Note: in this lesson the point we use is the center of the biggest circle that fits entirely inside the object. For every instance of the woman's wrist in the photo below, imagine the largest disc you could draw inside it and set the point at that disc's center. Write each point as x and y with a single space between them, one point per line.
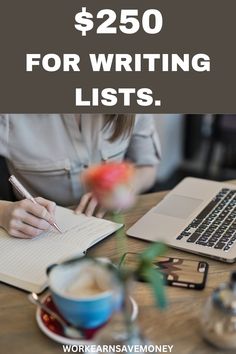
144 178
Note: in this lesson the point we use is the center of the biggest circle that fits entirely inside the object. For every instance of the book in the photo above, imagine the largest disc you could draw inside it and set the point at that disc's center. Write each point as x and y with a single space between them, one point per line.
23 262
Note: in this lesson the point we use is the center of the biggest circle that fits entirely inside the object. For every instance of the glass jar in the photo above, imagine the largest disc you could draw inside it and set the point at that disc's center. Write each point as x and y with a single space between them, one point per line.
219 316
118 334
122 329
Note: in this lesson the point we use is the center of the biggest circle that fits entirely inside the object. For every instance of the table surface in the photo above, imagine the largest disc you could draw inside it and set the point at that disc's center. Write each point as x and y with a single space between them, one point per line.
177 326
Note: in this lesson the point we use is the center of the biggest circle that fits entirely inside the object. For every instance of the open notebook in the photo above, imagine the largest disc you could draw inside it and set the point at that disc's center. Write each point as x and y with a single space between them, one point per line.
23 263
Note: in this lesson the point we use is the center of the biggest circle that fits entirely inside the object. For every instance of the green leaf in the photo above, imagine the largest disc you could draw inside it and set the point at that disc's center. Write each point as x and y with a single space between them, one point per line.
157 283
152 252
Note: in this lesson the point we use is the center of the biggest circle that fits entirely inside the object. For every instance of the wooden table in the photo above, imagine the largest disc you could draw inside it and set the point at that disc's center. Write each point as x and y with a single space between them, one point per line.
177 326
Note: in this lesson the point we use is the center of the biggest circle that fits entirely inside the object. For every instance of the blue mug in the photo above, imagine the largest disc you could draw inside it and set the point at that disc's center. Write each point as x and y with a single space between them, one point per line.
67 283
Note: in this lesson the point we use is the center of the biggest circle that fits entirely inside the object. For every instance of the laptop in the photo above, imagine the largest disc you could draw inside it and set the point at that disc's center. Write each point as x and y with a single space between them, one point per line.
197 216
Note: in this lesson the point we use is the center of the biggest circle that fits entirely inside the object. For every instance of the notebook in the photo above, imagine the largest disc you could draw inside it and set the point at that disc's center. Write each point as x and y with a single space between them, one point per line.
23 262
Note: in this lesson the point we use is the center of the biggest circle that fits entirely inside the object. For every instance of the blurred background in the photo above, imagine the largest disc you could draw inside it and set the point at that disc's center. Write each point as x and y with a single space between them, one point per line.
201 146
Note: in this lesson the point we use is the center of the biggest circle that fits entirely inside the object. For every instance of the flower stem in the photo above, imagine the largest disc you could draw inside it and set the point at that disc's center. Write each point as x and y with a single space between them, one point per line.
120 235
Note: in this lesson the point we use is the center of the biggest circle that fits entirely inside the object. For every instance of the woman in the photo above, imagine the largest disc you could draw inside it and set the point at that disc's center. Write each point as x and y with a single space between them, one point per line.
47 153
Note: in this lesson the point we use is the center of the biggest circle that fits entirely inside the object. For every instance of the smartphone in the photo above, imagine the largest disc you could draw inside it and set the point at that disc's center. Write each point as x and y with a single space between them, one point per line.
184 273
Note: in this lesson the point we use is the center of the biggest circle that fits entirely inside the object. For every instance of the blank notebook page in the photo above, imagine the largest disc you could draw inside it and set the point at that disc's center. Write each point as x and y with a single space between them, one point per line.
27 260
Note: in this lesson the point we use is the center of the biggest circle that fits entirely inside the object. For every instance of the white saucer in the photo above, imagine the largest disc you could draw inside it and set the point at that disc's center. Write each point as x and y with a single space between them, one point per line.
65 340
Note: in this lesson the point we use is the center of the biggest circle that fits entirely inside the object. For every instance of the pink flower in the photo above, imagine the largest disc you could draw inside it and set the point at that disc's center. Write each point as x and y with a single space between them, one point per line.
111 184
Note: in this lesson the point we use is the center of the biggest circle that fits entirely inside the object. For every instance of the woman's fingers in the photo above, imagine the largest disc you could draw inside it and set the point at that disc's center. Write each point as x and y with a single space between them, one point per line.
28 220
48 204
83 203
39 223
17 226
100 213
90 209
35 209
22 215
89 206
19 234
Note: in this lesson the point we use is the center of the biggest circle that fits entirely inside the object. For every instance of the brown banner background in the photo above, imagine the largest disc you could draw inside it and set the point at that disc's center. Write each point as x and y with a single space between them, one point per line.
203 26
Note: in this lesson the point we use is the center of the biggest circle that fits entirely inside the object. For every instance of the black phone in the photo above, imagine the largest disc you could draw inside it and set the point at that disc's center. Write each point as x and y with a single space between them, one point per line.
180 272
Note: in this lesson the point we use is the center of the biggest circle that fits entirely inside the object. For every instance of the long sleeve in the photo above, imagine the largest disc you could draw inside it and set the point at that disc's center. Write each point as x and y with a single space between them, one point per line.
144 147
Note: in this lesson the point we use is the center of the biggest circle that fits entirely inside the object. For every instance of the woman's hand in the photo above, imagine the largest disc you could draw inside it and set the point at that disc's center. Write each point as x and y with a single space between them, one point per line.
89 206
143 180
25 219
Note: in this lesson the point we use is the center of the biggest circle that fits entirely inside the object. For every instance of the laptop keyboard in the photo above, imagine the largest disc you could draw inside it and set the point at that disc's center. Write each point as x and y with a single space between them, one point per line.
215 226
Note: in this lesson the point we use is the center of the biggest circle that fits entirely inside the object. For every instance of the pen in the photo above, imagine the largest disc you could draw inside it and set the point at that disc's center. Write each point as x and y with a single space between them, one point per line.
21 189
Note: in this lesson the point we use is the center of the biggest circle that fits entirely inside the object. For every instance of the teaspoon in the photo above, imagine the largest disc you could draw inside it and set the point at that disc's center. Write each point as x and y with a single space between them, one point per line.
69 331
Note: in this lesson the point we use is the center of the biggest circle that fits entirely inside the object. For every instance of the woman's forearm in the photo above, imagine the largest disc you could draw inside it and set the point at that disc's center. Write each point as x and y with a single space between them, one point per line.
145 177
